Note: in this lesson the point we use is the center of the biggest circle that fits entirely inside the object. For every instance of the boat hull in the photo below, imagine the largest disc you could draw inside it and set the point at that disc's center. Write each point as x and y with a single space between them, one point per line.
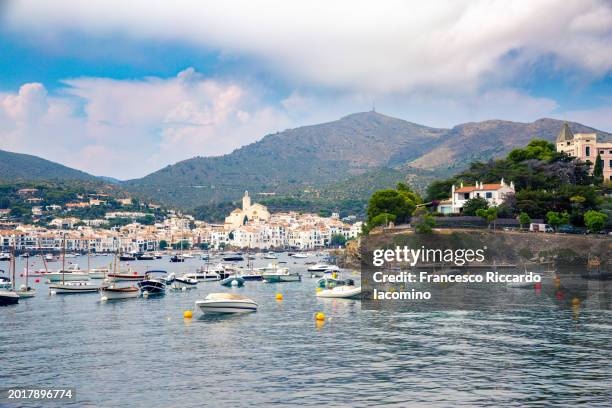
25 294
125 278
68 276
152 287
180 283
274 278
74 288
341 292
8 298
226 306
119 293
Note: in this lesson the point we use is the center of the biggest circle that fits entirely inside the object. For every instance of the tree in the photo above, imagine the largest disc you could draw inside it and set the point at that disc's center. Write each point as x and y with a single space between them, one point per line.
148 219
163 244
524 219
555 219
382 219
390 202
472 205
337 240
425 224
595 220
489 214
598 169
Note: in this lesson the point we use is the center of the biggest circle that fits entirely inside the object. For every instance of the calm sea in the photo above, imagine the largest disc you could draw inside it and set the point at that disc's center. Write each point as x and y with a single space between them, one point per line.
142 353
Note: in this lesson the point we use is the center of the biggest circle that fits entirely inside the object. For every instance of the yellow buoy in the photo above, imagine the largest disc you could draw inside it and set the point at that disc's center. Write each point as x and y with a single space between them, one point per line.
319 316
187 314
279 296
319 289
575 301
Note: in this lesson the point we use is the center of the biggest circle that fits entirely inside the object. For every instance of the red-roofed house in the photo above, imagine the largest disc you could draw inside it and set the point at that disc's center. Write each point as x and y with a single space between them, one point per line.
494 193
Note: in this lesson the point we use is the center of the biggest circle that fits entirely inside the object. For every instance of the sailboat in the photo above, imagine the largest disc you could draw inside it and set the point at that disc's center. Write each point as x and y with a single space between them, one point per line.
9 296
73 285
113 292
25 291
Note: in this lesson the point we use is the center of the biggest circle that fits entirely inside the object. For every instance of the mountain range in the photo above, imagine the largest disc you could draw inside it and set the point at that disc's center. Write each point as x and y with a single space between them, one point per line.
345 159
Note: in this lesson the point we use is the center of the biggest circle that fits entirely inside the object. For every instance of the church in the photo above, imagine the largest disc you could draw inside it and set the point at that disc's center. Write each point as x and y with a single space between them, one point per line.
249 214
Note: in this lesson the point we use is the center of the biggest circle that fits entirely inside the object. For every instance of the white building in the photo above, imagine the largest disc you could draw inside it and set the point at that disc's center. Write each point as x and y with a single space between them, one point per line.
494 194
249 214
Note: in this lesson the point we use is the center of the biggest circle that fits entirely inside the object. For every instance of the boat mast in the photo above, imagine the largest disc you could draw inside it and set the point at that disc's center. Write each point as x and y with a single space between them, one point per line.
63 258
12 265
27 271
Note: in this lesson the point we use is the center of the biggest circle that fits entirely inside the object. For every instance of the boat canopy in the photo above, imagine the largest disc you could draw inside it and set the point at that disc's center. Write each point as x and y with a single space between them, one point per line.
226 296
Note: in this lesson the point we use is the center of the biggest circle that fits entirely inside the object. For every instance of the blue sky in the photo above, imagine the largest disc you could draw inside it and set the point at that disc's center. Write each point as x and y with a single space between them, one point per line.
124 88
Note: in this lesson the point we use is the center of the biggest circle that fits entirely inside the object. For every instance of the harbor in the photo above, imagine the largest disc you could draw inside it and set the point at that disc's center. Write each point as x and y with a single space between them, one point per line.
348 357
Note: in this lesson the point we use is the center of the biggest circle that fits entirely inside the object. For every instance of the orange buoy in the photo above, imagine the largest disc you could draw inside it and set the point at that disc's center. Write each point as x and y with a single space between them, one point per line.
279 296
319 316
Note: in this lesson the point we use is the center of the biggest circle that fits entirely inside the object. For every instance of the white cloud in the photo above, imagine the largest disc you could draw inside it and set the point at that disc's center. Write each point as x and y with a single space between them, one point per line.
357 46
128 128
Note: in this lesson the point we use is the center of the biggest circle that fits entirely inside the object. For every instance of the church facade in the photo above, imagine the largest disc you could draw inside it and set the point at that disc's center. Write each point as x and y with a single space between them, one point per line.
249 214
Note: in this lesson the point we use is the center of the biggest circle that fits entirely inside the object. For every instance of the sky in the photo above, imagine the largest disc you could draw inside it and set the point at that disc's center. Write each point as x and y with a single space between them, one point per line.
123 88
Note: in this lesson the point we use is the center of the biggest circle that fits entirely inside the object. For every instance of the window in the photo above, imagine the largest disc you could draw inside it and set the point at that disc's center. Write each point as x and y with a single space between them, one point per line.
478 195
489 195
610 164
587 151
601 152
466 196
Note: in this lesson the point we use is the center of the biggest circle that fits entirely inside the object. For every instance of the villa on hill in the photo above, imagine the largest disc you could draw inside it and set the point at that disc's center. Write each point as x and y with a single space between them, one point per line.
584 146
494 193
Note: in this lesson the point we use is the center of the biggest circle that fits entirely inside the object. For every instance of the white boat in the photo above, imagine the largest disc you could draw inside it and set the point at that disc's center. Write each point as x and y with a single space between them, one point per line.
209 274
97 273
330 270
70 255
126 276
277 274
5 256
226 303
74 273
25 292
181 282
320 267
300 255
114 292
188 255
270 255
49 257
335 288
74 287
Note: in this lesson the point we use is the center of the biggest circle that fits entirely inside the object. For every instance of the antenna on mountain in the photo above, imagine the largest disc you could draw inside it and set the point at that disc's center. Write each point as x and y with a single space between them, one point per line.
373 105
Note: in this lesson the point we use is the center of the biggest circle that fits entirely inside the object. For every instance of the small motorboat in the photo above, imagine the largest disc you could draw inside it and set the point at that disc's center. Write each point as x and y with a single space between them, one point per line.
177 258
335 288
97 273
146 256
276 275
8 297
233 257
5 256
151 285
74 273
320 267
73 287
300 255
226 303
114 292
127 257
181 282
270 255
233 281
252 275
49 257
187 255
